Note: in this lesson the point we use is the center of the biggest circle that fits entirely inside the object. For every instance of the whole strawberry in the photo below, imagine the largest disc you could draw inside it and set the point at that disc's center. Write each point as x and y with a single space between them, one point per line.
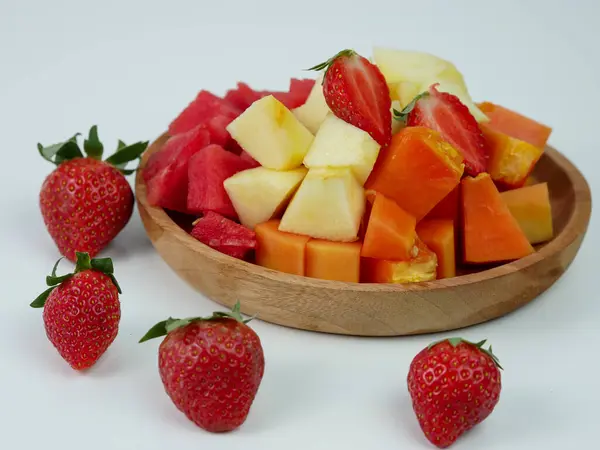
86 202
454 385
211 367
356 92
81 310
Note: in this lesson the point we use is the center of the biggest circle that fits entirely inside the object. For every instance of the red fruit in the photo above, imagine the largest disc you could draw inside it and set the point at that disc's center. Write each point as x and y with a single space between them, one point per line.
86 202
252 163
356 92
454 385
166 171
242 96
446 114
81 310
211 367
224 235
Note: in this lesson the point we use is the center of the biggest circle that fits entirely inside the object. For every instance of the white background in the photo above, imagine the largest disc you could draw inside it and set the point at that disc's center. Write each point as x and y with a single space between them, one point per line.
130 66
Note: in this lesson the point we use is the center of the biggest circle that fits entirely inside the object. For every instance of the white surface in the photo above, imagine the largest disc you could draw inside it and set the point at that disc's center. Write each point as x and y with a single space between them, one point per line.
130 67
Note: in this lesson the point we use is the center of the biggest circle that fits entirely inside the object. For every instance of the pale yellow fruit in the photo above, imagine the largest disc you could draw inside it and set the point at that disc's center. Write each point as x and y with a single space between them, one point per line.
313 112
260 194
329 204
271 134
339 144
405 65
406 92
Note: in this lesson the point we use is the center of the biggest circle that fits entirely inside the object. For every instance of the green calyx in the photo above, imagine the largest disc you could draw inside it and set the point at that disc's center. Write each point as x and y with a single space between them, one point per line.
402 116
327 64
166 326
83 263
455 341
93 148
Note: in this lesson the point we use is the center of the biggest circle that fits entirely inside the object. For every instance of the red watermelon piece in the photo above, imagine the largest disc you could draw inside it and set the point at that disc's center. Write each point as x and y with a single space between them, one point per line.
224 235
300 89
205 107
242 96
166 171
244 155
207 172
217 127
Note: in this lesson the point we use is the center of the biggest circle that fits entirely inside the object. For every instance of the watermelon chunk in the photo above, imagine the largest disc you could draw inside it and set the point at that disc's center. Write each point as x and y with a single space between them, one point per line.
300 89
207 172
166 171
252 163
242 96
217 127
224 235
205 107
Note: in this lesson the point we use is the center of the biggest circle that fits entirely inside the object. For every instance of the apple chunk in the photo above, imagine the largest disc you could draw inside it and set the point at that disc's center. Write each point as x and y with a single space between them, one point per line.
339 144
271 134
329 204
315 109
260 194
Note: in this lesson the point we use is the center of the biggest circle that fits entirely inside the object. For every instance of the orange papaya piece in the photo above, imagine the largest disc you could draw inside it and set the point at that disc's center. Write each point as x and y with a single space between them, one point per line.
390 232
447 208
278 250
490 232
438 235
511 160
416 170
530 205
336 261
515 125
420 267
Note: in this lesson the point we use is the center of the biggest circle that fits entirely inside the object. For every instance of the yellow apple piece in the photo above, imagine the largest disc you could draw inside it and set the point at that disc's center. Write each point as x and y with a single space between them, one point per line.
329 204
271 134
313 112
260 194
339 144
407 65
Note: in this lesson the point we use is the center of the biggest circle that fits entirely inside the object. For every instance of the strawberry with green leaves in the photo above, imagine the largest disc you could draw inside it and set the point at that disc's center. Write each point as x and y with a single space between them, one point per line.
356 92
211 367
86 201
81 310
454 385
446 114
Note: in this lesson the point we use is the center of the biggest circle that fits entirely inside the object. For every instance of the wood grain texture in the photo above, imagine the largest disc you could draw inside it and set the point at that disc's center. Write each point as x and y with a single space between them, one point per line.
380 309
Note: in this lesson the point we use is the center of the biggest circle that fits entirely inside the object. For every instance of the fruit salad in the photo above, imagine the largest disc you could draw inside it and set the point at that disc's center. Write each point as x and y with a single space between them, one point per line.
380 170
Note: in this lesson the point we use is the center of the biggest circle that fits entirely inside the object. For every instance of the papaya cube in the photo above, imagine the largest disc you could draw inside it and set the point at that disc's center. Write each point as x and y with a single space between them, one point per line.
510 160
416 170
438 235
515 125
490 232
447 208
278 250
530 205
422 266
336 261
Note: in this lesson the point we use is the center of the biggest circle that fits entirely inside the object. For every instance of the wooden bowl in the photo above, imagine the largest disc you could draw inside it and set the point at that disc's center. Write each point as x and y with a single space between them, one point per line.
380 309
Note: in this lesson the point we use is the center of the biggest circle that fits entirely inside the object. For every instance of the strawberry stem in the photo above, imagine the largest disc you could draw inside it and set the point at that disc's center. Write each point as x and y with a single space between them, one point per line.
84 262
455 341
325 65
166 326
402 116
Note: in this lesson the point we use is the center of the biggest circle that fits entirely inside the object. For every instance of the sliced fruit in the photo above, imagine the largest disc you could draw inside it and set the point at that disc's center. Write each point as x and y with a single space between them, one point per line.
249 159
166 171
510 160
396 124
404 65
224 235
390 232
261 194
242 96
516 125
421 267
205 107
438 235
328 204
313 112
404 92
490 233
446 114
458 90
207 171
448 207
417 170
271 134
339 144
336 261
530 205
277 250
356 92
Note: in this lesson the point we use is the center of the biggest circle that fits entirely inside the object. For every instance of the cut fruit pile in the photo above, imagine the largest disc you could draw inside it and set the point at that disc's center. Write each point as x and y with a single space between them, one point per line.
376 172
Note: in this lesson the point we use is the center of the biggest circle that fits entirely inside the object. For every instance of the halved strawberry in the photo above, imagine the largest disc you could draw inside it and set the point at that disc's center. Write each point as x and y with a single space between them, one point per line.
356 92
446 114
